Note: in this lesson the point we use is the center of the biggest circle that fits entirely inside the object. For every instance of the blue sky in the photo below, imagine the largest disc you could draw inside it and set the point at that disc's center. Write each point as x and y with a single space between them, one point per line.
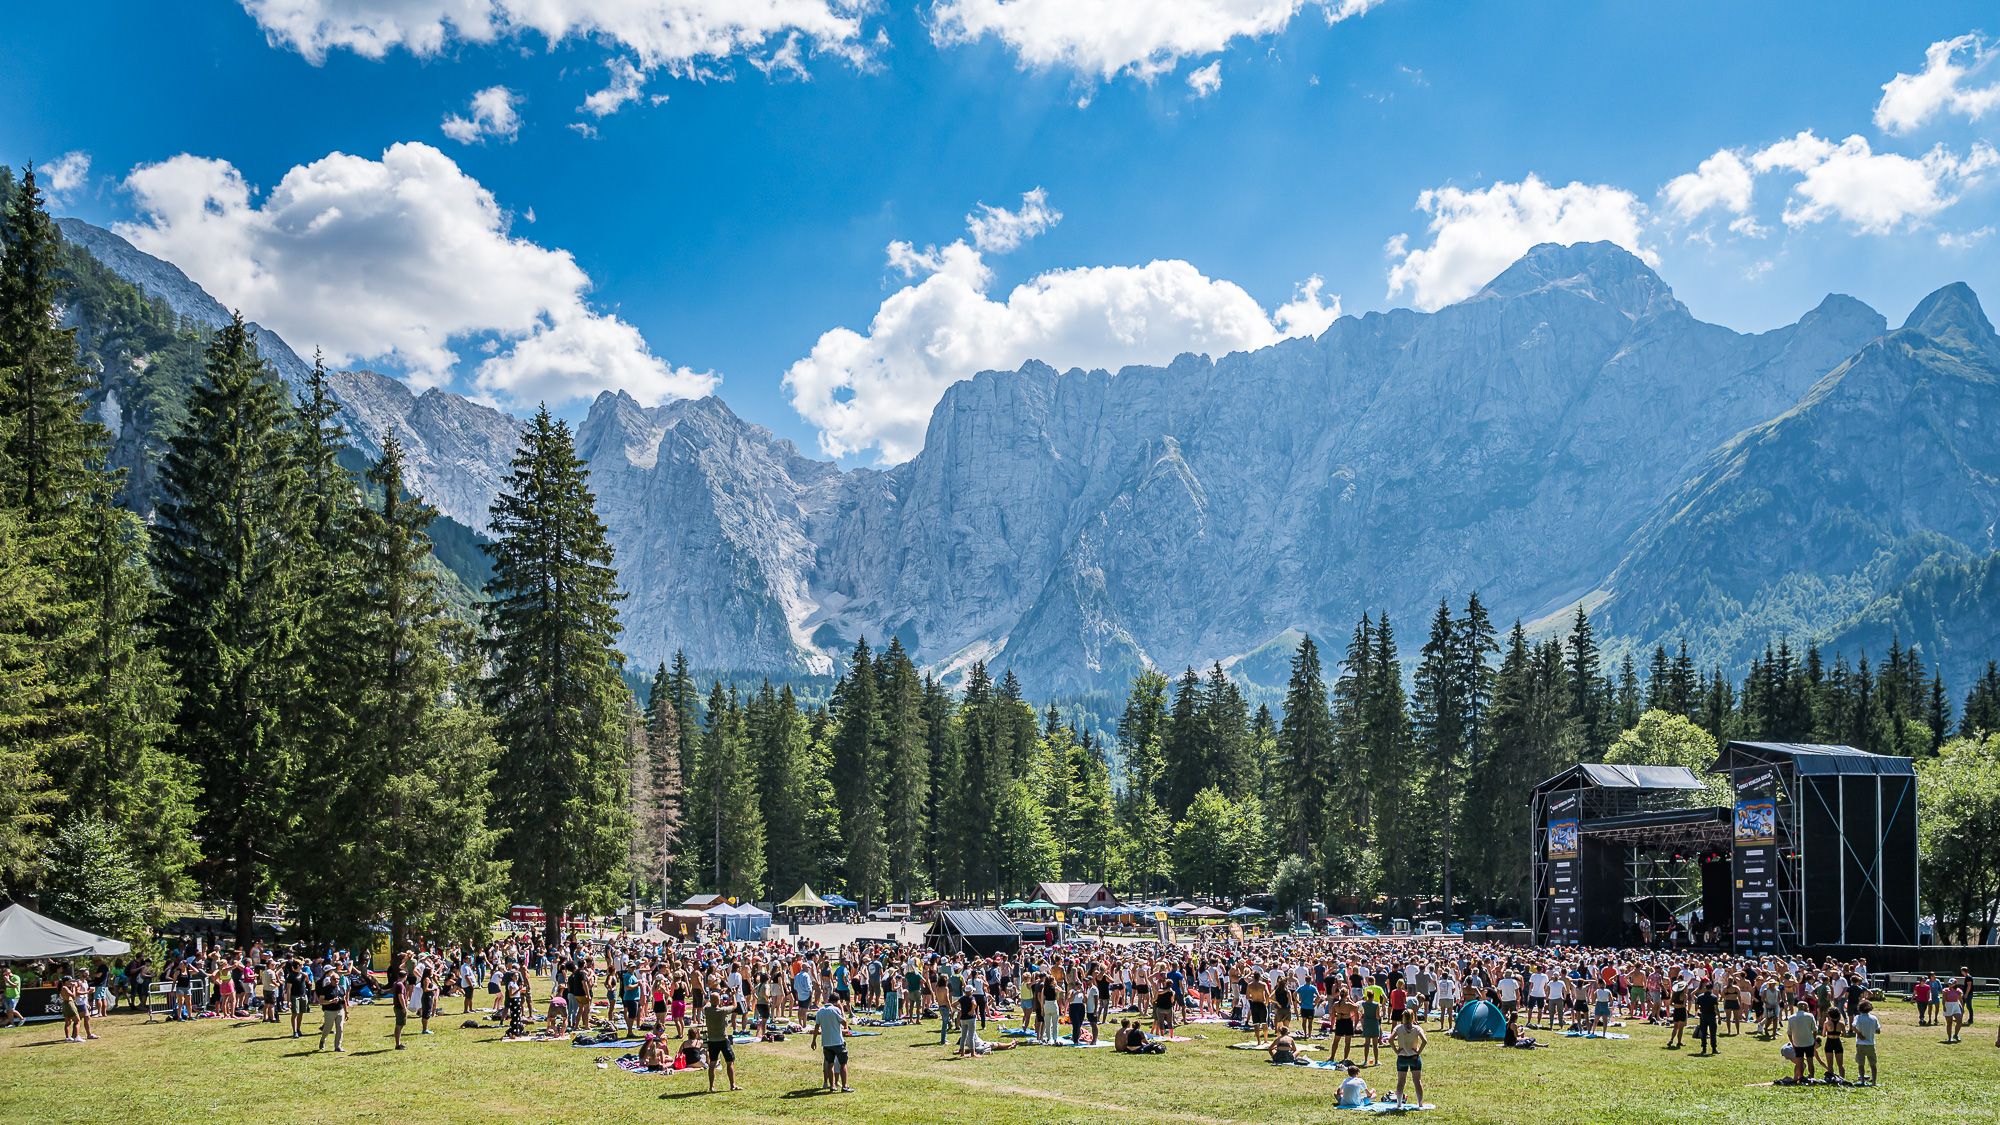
737 212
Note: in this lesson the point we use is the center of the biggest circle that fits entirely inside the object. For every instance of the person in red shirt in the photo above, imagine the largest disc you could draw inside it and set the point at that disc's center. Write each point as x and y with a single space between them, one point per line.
1399 998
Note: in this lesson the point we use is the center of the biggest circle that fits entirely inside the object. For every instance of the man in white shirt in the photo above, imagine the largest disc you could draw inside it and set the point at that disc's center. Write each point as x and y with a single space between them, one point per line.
1510 991
1802 1035
1866 1027
1538 994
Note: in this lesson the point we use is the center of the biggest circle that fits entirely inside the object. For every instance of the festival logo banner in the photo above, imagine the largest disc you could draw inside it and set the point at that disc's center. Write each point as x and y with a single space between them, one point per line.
1565 922
1756 900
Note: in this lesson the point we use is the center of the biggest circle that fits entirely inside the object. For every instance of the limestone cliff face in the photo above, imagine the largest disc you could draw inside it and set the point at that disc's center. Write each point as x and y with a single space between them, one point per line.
1570 431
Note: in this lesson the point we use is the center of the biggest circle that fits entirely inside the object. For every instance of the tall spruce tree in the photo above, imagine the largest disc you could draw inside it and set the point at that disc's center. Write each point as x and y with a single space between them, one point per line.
858 745
1981 716
420 756
906 771
232 617
1305 753
555 687
663 821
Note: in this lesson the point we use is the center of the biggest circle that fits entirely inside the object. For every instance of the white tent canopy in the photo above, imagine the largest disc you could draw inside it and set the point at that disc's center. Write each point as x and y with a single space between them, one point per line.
27 936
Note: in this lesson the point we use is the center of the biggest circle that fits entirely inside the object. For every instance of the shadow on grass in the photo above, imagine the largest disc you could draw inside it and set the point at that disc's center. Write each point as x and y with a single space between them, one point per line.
806 1092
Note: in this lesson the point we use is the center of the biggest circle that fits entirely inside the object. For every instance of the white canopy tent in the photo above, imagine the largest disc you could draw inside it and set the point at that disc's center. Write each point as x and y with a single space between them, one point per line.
27 936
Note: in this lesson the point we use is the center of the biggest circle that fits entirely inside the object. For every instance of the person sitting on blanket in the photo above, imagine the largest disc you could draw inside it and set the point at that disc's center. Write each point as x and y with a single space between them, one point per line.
649 1053
1284 1050
692 1051
558 1014
1131 1040
1354 1093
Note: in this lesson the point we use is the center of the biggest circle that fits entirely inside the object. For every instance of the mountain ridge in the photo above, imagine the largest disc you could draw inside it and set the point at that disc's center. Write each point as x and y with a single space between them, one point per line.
1534 442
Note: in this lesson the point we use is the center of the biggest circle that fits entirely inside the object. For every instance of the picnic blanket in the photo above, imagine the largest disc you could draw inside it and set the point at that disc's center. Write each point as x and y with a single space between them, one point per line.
1395 1107
539 1037
1266 1046
871 1021
1595 1035
1063 1043
583 1041
630 1064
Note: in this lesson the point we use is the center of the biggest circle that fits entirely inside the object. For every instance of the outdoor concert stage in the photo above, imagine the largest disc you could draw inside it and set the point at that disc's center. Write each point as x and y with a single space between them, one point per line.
1816 850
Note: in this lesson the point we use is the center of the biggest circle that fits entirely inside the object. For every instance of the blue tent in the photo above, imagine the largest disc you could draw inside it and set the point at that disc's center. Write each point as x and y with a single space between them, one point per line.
840 901
1480 1020
746 923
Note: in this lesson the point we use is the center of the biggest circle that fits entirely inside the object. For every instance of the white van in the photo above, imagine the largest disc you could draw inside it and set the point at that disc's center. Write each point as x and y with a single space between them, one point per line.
1399 927
893 912
1433 929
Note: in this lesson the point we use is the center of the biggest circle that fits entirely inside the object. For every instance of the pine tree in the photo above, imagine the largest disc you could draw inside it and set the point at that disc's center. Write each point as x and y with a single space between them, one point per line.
1937 715
731 784
858 744
1657 680
1681 689
1585 685
141 788
52 448
985 775
1627 703
1142 730
1981 716
420 757
687 712
1225 720
906 771
227 550
1091 814
663 820
1187 745
945 850
25 795
555 687
795 794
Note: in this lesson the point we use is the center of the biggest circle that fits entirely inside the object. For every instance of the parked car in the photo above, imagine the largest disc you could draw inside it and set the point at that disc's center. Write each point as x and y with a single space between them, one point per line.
1400 927
1433 928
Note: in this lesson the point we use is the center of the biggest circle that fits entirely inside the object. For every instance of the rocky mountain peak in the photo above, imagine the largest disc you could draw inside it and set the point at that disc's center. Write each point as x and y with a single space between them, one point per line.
1952 316
1602 271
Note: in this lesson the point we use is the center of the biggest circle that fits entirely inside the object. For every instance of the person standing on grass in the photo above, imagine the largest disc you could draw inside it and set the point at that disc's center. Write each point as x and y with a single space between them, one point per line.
297 997
431 980
1954 1011
399 994
1866 1027
1707 1014
830 1033
1802 1034
715 1016
1409 1042
332 1008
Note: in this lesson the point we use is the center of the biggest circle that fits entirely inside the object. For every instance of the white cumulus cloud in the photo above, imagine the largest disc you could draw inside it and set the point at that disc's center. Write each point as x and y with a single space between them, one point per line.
1874 192
1475 234
1722 181
399 259
680 36
1102 39
1959 76
62 177
1205 80
875 388
494 112
997 230
627 85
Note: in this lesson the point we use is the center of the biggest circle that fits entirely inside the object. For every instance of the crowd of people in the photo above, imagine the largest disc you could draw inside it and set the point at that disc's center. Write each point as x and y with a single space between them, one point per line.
688 1004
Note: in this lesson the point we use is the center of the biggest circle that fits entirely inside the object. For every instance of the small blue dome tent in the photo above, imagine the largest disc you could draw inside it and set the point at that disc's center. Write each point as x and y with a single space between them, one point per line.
1480 1020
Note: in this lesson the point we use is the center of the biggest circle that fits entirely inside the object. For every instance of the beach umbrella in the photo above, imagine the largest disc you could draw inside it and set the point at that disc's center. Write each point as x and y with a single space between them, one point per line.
1206 912
1041 904
1014 904
1185 907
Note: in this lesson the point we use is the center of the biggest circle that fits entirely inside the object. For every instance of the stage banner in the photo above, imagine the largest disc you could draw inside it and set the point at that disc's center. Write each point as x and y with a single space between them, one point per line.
1756 900
1565 920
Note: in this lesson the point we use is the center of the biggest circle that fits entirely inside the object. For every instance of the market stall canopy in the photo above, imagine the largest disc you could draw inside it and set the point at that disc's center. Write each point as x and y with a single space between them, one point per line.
1246 912
27 936
1014 904
1206 912
805 900
1039 904
840 901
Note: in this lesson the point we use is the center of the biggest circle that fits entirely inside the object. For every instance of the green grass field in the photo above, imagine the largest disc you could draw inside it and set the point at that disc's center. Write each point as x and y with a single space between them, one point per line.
224 1071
